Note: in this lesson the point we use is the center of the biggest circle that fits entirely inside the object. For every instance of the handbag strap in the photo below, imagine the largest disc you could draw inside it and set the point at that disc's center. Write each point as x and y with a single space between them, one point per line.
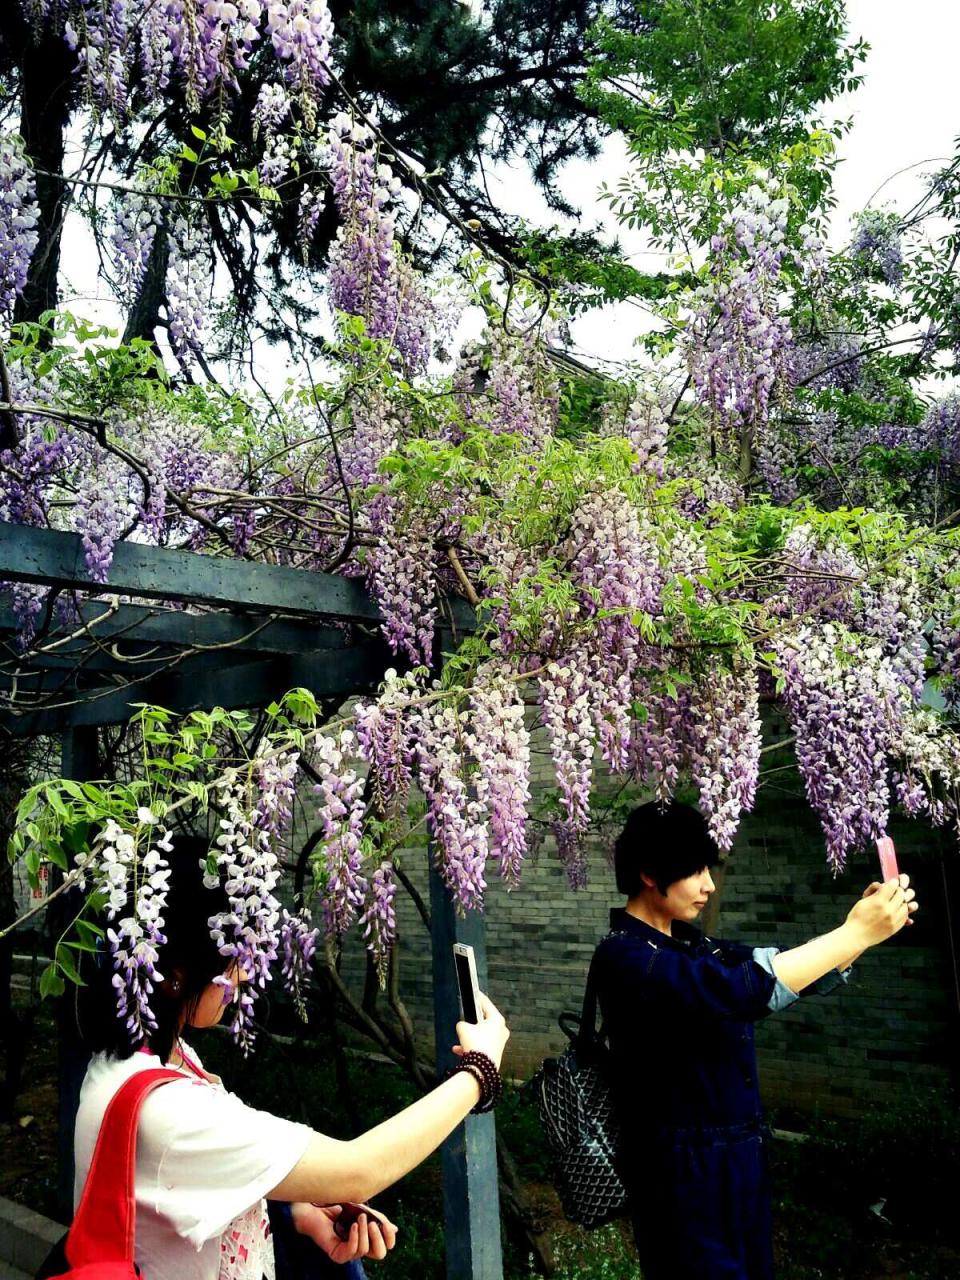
103 1225
588 1014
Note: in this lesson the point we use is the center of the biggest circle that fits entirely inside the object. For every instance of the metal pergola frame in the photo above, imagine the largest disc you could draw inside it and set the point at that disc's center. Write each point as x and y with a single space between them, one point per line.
262 630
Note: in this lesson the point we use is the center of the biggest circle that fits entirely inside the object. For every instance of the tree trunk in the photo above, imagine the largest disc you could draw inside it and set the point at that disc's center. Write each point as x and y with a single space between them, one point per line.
48 88
16 1022
144 314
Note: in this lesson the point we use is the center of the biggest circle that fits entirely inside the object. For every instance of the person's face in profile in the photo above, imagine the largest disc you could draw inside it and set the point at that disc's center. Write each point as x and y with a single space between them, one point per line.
686 898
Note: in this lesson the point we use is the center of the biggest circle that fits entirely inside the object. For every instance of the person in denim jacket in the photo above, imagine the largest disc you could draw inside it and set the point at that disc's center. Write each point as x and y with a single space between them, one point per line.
679 1009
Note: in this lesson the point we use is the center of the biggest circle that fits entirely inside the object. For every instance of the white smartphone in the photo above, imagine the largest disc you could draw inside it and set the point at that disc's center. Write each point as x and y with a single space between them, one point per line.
467 984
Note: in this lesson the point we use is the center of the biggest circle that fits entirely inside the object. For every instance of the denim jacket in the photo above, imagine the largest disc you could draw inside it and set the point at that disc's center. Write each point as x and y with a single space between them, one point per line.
679 1012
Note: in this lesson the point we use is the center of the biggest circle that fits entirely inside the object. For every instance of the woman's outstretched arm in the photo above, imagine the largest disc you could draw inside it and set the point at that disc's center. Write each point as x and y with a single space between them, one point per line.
331 1171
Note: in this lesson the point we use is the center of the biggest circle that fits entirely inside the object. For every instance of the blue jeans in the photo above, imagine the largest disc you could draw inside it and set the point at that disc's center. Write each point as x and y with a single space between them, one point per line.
701 1206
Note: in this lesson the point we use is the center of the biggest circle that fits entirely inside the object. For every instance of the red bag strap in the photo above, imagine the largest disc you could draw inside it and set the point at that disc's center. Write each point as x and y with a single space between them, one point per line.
103 1225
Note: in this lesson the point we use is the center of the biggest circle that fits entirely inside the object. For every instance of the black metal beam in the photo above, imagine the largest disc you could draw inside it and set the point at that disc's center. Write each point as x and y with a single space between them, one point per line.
175 628
51 558
355 670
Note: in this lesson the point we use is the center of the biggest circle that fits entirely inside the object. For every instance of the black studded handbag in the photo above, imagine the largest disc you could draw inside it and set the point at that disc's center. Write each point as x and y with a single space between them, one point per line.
575 1102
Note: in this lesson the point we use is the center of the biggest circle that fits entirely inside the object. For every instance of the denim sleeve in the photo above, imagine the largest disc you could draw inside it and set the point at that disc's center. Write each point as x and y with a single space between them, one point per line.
716 984
783 996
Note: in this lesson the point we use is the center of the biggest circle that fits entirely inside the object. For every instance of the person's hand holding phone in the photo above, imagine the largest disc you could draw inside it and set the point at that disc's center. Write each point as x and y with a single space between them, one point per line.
346 1232
488 1036
883 910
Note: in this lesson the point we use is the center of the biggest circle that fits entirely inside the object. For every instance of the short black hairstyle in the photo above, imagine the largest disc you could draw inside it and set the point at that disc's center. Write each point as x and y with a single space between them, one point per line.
189 949
665 842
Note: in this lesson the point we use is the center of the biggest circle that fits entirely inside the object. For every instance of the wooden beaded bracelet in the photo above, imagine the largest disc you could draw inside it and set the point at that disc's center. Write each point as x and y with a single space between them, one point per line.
484 1071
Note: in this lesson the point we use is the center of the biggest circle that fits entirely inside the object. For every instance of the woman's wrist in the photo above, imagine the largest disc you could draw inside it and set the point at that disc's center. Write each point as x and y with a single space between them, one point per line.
855 941
299 1212
487 1075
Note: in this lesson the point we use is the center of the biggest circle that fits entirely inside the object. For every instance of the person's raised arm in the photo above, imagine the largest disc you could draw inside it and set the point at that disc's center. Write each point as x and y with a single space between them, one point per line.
331 1171
877 916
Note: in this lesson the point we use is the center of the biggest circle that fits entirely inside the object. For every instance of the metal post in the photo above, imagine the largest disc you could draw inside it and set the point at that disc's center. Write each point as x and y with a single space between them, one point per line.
78 760
471 1195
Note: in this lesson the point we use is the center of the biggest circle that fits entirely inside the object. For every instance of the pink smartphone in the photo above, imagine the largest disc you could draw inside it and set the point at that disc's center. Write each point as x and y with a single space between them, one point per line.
888 859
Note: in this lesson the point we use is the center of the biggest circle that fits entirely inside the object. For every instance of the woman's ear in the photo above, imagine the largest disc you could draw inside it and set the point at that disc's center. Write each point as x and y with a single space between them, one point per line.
172 985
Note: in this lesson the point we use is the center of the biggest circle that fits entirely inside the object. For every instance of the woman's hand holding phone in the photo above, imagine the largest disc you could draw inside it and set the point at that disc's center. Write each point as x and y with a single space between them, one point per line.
488 1036
346 1231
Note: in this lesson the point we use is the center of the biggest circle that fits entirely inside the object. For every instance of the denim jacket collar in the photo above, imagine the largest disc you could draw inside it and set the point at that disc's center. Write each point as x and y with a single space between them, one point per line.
683 938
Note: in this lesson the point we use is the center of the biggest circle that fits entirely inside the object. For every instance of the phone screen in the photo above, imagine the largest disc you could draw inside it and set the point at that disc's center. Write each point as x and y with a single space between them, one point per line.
465 983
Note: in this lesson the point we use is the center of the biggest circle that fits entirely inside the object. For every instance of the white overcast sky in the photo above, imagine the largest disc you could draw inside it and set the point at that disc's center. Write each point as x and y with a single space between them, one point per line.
906 113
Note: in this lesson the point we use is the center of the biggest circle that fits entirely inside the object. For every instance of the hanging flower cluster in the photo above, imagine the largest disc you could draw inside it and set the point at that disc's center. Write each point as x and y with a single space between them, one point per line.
846 708
131 240
385 742
298 942
248 932
499 742
876 246
378 924
200 43
645 426
457 821
340 808
739 341
188 281
725 756
402 578
19 215
565 704
134 883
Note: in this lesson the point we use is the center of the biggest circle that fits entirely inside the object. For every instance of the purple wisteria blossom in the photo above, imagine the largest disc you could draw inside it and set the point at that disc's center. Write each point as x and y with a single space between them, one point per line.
300 32
876 246
457 821
203 44
385 742
739 342
362 278
131 240
521 395
615 559
401 574
645 427
298 942
379 921
499 741
725 747
18 220
846 708
188 276
340 808
248 933
565 702
136 884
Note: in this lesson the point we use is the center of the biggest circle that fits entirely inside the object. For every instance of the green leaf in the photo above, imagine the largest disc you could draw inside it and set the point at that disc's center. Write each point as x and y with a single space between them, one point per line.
67 963
51 984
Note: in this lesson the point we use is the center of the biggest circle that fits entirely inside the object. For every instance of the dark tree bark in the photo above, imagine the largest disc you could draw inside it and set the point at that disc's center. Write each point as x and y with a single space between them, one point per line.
144 315
48 92
15 1024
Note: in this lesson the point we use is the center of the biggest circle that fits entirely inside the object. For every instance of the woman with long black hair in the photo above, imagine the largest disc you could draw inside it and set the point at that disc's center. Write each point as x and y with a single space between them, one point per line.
206 1162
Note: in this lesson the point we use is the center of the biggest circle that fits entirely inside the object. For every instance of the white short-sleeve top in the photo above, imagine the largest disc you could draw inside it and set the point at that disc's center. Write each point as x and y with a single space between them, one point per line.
205 1160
